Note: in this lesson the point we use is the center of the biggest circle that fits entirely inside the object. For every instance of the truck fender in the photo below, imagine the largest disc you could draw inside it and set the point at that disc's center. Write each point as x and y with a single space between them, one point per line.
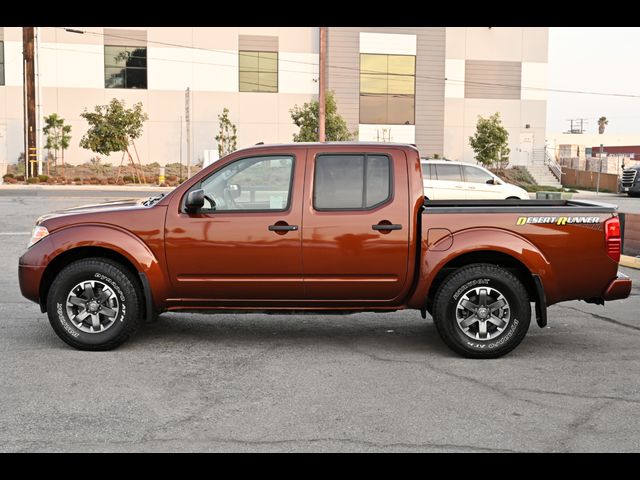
478 240
154 282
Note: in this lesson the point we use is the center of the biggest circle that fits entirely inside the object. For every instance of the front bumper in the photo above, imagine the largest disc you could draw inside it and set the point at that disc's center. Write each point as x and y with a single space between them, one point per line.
29 277
635 188
618 288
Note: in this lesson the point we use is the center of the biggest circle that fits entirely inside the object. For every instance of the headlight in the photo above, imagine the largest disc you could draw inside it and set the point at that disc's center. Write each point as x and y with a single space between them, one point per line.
39 232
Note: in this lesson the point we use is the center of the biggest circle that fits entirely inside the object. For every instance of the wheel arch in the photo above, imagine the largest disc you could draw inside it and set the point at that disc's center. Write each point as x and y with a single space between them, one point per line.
483 245
131 252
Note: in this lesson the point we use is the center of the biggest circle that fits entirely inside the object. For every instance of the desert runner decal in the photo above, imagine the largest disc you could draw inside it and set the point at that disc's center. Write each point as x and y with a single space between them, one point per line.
558 220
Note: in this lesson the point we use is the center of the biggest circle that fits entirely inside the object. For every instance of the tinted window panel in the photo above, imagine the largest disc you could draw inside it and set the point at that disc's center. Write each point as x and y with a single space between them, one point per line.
338 181
400 110
373 108
448 172
378 179
125 67
476 175
258 71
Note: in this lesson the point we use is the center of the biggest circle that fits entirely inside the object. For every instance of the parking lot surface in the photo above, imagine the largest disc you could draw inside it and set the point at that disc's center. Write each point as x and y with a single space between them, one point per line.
366 382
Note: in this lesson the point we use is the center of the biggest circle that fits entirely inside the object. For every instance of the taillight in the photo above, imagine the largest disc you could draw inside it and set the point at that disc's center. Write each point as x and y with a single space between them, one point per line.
612 238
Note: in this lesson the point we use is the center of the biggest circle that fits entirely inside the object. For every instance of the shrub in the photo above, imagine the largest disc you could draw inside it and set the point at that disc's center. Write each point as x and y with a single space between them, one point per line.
172 178
163 185
31 180
10 180
120 181
43 178
10 175
111 181
77 179
20 178
127 179
104 181
94 181
69 182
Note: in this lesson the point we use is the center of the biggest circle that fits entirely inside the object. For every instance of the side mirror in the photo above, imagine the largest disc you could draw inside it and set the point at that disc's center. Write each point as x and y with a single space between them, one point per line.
491 181
234 190
195 201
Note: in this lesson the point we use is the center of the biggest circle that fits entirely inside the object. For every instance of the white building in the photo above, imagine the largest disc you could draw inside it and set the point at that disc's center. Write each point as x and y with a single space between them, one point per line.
389 83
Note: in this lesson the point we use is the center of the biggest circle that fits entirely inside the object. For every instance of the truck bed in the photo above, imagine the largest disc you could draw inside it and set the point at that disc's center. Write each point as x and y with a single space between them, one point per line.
518 206
562 241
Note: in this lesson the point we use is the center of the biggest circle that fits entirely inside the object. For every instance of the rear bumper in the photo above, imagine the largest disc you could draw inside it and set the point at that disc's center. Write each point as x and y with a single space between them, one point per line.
618 288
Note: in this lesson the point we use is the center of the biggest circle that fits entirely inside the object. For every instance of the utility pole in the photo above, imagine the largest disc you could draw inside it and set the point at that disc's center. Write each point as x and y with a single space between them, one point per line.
599 170
30 153
38 90
187 116
180 174
322 84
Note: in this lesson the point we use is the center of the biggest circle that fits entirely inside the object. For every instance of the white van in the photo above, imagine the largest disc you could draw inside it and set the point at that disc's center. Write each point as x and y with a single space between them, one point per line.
448 180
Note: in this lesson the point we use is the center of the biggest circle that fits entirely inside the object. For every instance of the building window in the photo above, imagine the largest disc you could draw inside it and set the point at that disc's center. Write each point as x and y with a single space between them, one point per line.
387 89
125 67
258 71
1 63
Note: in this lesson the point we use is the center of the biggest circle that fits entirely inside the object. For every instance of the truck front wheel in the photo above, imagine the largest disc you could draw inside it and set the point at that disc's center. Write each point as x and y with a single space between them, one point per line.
482 311
94 304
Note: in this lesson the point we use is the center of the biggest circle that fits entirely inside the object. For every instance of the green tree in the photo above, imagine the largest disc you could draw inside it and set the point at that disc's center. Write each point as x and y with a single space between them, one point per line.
226 137
113 128
58 137
602 123
490 142
306 117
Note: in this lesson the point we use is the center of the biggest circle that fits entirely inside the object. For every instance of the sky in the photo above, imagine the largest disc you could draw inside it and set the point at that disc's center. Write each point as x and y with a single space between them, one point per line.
597 59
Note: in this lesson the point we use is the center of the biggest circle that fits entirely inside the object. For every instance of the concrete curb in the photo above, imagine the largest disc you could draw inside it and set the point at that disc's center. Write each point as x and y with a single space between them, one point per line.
631 262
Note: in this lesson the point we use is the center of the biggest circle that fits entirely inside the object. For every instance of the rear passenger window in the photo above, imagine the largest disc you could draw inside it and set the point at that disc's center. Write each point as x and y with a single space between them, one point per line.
351 182
450 173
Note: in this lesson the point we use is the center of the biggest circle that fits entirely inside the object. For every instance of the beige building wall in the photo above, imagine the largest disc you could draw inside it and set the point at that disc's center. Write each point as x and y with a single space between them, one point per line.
203 59
508 67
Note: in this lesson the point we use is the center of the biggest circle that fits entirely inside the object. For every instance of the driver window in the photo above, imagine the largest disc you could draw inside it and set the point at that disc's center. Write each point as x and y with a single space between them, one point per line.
256 183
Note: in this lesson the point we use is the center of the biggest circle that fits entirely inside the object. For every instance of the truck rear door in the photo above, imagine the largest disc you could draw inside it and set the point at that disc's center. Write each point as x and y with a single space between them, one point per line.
356 218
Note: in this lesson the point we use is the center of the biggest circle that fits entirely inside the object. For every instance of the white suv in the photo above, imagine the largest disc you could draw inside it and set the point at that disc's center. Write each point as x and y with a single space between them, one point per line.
447 180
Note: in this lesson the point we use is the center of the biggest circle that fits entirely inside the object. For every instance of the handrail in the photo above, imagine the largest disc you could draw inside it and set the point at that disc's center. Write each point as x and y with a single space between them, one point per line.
552 165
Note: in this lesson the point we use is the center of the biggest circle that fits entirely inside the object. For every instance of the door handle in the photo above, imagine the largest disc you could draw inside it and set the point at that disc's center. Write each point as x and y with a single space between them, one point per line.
387 226
459 186
282 228
471 188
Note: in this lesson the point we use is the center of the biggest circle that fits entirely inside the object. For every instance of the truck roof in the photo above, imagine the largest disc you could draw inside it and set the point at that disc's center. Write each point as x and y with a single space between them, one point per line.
333 144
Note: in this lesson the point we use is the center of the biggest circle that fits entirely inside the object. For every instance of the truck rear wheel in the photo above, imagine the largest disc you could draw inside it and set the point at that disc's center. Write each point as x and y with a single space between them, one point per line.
94 304
482 311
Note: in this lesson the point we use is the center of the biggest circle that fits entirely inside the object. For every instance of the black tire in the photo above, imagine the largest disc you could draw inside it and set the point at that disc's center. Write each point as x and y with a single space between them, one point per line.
124 287
512 198
464 281
634 194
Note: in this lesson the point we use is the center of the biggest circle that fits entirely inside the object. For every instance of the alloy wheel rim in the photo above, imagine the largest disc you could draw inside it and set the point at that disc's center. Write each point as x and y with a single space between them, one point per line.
483 313
92 306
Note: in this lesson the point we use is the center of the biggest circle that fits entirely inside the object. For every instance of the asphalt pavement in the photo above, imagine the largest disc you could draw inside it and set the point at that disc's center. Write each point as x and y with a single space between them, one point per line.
365 382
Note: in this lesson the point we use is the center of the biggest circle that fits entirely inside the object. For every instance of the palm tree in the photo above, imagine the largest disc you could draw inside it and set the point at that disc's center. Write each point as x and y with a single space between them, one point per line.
602 122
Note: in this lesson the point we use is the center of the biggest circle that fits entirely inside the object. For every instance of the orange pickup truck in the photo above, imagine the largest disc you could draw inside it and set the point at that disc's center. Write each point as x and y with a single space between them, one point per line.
327 228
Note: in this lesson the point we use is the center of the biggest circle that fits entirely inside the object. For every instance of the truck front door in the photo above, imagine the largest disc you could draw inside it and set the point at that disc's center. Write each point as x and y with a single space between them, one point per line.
355 225
245 243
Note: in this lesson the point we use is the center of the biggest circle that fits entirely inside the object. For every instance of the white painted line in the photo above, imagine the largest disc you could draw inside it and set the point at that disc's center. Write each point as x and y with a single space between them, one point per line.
15 233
